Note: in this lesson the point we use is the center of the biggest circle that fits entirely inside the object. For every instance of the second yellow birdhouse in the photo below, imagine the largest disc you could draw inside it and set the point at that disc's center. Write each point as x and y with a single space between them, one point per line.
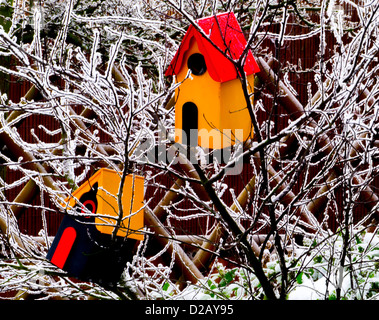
210 105
105 203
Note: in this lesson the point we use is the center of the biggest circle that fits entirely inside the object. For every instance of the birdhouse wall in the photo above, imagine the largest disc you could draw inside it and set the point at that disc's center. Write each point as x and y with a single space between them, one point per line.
235 115
108 189
221 107
202 91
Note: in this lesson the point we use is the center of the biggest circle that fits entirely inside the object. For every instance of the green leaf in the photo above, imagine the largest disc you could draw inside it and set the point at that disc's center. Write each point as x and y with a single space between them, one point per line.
358 240
6 11
299 278
211 285
165 286
333 296
227 278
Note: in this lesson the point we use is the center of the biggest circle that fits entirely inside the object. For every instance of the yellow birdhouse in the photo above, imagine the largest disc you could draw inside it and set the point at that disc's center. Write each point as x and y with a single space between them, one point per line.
210 105
102 200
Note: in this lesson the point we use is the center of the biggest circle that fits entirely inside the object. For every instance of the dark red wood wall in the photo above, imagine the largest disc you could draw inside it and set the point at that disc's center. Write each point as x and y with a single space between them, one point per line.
300 53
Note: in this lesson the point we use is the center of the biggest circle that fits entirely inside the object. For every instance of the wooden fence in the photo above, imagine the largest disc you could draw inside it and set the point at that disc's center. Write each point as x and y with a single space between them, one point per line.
301 53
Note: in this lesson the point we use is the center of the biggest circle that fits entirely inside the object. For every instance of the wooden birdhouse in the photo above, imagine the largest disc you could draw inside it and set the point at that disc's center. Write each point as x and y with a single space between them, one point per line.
210 106
106 197
84 245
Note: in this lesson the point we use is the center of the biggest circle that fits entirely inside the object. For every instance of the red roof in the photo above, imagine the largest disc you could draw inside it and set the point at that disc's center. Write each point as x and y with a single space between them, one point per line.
225 32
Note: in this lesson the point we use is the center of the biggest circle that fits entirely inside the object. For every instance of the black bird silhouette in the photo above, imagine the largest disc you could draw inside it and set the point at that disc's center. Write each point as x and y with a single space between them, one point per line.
87 203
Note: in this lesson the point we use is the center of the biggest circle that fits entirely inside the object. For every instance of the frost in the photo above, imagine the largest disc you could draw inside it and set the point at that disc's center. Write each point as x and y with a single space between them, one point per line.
98 97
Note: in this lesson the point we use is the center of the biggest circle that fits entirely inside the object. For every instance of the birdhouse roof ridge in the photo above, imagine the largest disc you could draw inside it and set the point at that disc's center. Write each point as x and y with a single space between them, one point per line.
224 32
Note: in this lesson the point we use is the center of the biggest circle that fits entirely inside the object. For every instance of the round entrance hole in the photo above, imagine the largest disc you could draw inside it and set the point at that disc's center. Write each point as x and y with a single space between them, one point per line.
196 63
